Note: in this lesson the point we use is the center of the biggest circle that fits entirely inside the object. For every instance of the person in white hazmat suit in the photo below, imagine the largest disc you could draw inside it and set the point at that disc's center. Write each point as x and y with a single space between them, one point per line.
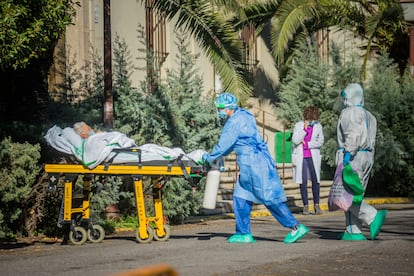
356 131
258 181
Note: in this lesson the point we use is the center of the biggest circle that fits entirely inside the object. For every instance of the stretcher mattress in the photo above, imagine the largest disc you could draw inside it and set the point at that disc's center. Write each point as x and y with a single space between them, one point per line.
115 148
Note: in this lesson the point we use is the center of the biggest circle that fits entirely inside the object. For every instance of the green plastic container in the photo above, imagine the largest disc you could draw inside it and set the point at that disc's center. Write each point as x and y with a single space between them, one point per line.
283 147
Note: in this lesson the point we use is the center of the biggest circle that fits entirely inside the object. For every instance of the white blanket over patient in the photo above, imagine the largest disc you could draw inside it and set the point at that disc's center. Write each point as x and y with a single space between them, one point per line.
98 148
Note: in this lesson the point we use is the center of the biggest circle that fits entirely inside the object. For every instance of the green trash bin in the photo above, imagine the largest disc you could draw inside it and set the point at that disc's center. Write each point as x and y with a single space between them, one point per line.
283 147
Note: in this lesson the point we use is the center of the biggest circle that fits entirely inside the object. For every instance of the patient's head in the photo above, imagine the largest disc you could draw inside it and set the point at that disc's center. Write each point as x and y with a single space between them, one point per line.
83 129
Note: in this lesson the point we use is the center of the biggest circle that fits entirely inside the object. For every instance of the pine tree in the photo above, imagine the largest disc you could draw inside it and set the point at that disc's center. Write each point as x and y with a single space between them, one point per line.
389 97
18 163
194 123
304 85
128 111
405 133
111 193
340 74
308 83
312 82
175 114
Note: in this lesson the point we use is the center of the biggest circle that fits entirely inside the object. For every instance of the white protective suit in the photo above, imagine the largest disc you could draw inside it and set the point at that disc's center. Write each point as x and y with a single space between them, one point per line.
356 133
314 145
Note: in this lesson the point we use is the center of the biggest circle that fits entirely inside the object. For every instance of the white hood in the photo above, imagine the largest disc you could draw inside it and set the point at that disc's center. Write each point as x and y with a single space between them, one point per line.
353 95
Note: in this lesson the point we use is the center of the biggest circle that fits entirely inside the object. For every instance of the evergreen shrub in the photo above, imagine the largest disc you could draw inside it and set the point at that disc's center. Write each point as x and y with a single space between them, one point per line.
18 171
175 114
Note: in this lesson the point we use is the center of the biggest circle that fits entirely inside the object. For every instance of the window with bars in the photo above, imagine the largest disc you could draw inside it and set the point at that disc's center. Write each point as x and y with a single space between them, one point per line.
249 40
156 34
322 39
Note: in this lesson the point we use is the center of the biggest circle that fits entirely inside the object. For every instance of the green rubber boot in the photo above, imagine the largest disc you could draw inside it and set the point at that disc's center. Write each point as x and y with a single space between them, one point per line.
345 236
297 234
376 224
241 238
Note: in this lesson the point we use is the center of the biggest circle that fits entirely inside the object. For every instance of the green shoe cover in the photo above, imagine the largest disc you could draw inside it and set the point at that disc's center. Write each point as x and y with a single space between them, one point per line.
241 238
376 224
294 236
345 236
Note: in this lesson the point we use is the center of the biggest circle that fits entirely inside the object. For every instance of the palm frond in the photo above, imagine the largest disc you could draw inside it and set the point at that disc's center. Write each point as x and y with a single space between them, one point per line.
386 20
290 18
258 13
215 36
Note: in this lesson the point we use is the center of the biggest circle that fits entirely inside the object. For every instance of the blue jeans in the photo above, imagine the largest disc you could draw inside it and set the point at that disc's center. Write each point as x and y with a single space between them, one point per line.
243 208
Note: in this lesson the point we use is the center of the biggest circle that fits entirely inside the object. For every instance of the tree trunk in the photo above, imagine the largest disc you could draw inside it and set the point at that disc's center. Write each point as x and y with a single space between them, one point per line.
108 96
32 206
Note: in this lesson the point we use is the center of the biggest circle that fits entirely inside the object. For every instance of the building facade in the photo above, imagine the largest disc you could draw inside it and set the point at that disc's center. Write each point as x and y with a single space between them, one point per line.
127 18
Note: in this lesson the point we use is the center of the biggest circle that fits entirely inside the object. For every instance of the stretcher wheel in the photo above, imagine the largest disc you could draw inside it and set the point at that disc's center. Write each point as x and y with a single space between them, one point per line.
167 231
80 237
97 234
150 233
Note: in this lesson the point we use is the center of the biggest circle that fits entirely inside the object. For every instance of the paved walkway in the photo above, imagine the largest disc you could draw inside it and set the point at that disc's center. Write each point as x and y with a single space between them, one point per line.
200 248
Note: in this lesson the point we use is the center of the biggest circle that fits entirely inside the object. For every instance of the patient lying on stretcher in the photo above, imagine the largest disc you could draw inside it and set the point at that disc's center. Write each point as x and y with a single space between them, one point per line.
93 148
83 130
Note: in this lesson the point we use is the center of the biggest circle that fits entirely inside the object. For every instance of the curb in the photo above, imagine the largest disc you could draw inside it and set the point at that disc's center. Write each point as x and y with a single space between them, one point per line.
389 200
324 206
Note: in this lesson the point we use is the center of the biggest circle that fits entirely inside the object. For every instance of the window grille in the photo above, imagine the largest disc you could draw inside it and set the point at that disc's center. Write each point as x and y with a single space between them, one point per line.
156 36
249 40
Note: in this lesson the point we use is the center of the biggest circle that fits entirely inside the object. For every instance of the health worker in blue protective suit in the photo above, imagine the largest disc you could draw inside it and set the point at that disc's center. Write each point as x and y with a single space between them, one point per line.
356 133
258 181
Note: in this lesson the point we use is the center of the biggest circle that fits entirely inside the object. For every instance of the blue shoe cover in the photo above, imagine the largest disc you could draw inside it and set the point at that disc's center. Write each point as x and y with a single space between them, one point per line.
294 236
241 238
375 226
345 236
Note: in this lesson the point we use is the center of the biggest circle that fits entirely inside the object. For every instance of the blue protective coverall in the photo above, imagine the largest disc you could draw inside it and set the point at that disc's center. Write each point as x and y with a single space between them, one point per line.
259 180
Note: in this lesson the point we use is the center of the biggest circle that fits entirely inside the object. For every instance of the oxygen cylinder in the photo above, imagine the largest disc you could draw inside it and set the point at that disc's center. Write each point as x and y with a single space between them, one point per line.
212 185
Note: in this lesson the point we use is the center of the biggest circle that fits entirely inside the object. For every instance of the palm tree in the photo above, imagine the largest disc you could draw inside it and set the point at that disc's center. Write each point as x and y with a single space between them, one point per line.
379 22
206 21
215 24
386 28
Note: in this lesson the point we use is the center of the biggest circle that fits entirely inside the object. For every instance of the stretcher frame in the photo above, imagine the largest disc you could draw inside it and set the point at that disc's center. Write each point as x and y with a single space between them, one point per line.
154 169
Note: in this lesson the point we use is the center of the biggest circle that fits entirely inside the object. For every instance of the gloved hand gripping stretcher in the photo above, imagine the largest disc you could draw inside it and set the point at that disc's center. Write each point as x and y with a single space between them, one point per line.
112 153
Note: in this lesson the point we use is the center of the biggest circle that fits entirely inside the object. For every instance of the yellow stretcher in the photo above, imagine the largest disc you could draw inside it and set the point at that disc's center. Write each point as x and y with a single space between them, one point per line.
76 208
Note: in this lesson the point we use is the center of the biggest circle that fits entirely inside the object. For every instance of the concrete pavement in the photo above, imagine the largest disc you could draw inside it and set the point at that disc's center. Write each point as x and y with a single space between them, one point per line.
200 248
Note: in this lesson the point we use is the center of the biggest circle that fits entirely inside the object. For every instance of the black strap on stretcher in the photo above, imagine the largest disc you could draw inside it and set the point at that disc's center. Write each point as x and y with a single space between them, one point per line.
179 160
181 163
138 151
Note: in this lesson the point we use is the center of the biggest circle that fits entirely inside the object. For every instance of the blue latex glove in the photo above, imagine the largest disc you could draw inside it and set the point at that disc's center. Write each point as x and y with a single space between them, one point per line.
205 157
347 158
